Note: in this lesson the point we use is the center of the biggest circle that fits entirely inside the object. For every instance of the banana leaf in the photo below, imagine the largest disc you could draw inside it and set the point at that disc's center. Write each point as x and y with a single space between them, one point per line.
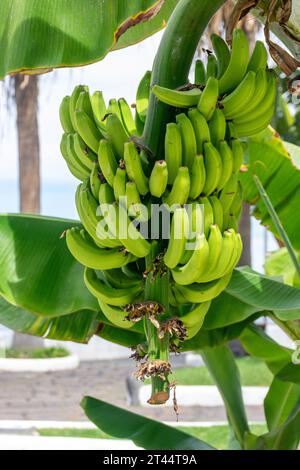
258 344
278 410
78 327
38 274
222 367
248 293
290 373
284 437
277 164
207 338
144 432
37 36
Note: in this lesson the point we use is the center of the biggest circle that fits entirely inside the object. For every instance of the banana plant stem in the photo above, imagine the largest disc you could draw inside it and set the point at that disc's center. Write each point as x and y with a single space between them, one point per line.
156 290
173 62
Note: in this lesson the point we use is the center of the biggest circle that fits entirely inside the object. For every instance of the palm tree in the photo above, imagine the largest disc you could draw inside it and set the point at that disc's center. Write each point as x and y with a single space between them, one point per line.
26 99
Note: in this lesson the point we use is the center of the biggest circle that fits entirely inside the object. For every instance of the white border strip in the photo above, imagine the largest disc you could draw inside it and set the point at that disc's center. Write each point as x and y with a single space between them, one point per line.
39 365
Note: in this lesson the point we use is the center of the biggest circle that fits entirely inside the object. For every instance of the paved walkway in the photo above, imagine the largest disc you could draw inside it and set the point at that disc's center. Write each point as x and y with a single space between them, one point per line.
56 395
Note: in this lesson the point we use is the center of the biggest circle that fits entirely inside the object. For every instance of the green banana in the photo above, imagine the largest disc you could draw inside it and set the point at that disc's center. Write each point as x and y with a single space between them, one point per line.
200 73
194 319
238 154
159 178
113 108
211 67
249 128
116 278
84 103
197 292
201 129
180 190
173 151
227 158
177 98
229 191
87 130
116 134
95 181
107 161
213 167
208 101
115 315
127 117
83 152
229 246
188 138
239 98
267 101
208 214
259 57
238 63
217 211
106 194
134 168
217 126
198 177
90 215
261 84
222 53
120 183
197 264
142 96
178 238
110 295
73 100
99 110
64 115
87 253
73 159
135 208
123 228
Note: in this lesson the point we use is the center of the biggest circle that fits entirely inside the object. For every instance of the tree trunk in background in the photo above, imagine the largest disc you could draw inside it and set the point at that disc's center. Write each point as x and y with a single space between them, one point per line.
245 230
26 98
26 95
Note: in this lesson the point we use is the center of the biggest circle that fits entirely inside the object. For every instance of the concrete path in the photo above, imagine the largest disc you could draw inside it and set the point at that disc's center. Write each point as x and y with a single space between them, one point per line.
56 395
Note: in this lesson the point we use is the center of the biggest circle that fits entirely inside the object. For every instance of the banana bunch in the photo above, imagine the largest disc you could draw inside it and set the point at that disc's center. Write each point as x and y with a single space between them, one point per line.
196 180
233 88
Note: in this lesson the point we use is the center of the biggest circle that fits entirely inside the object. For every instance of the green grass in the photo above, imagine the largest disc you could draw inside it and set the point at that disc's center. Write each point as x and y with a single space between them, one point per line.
217 436
253 372
40 353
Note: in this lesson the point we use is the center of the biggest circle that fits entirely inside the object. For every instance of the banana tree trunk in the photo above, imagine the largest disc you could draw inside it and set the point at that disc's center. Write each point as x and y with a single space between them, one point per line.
26 97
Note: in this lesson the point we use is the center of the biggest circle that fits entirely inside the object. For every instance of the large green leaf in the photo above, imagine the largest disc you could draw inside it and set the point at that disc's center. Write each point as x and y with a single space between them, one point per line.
284 437
258 344
290 373
207 338
277 165
249 292
280 401
38 273
77 327
47 34
221 364
144 432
